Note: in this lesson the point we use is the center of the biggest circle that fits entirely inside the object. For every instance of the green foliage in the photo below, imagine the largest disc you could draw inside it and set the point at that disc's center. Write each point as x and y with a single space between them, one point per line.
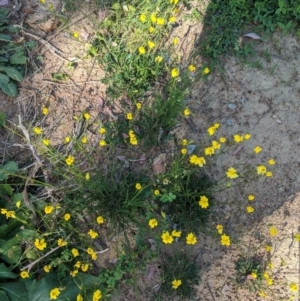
226 21
181 189
179 266
12 58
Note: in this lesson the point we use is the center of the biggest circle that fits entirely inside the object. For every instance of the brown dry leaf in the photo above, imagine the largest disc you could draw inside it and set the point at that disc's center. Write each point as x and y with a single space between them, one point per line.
151 272
159 164
84 34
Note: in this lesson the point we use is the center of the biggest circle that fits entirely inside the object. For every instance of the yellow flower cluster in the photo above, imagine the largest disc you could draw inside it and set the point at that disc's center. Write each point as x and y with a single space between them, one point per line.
240 138
203 203
8 214
132 138
197 160
92 253
211 130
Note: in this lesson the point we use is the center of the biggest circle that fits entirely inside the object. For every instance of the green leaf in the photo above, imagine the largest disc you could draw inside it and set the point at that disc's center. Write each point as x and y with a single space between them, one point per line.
9 168
3 296
10 89
18 58
281 25
5 189
13 73
2 119
40 290
6 273
59 76
15 290
4 78
5 37
31 44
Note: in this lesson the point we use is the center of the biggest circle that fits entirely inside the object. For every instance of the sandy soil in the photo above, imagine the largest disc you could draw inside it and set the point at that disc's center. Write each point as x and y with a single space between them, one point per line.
263 101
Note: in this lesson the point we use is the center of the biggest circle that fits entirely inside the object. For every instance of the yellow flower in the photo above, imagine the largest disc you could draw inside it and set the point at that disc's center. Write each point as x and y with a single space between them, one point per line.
75 252
297 236
250 209
206 71
94 256
84 267
70 160
200 161
176 283
186 112
203 203
38 130
54 293
268 248
151 44
183 151
87 176
266 275
61 242
46 142
76 34
90 251
142 50
18 204
77 264
100 220
247 136
211 130
261 170
160 21
84 139
74 273
273 231
191 239
172 19
42 1
254 275
175 72
167 238
176 233
192 68
102 143
238 138
262 294
270 281
271 161
174 2
45 110
225 240
138 186
10 214
129 116
209 151
175 41
222 139
3 211
102 130
231 173
293 287
153 18
67 139
79 298
270 265
251 197
92 234
269 174
143 18
220 229
40 244
184 142
151 29
257 149
97 295
156 192
86 116
216 125
152 223
216 145
158 59
47 268
24 274
48 209
138 105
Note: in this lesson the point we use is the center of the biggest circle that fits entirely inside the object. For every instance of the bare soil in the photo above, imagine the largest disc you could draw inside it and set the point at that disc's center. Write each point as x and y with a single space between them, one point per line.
264 102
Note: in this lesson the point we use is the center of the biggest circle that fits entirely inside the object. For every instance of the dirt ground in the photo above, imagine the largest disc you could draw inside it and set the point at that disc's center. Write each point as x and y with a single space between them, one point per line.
264 102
